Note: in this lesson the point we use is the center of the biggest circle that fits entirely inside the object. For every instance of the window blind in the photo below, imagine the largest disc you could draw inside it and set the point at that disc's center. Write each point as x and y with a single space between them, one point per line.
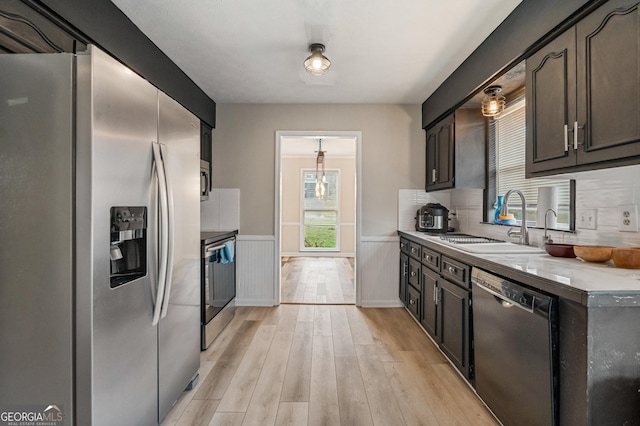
510 135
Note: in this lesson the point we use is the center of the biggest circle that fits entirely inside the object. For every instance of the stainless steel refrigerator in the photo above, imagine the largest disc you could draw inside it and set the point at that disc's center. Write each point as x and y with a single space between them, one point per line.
99 241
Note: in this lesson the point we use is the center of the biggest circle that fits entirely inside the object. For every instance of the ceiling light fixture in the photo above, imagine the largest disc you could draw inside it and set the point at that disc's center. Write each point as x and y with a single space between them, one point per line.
320 180
317 64
493 101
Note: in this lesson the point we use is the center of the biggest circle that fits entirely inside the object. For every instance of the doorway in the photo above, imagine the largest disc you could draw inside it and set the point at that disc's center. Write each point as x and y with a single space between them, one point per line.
317 210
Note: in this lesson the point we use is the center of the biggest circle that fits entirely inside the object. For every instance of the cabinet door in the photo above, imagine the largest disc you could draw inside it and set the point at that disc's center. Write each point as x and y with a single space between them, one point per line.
27 30
414 273
551 103
404 276
608 79
429 301
453 316
440 155
413 302
445 153
431 159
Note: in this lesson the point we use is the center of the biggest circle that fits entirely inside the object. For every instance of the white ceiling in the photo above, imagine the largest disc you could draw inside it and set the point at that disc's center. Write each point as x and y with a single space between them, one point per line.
382 51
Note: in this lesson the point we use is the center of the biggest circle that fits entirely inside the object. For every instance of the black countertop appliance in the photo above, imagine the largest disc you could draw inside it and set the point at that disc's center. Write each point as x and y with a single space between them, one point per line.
432 217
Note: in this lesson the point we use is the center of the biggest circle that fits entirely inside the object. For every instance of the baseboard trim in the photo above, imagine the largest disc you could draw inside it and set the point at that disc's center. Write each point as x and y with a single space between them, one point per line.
254 302
382 304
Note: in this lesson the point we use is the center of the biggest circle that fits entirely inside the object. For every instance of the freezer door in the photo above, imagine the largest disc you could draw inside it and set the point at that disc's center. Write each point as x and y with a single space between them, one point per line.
117 122
36 229
179 328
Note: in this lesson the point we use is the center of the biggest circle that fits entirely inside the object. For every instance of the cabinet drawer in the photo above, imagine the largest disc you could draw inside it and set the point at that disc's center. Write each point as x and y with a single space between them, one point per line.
431 259
404 246
414 250
413 301
456 272
414 273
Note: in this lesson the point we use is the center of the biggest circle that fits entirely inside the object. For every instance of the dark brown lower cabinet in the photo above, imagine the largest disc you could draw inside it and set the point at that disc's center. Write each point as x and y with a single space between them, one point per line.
454 322
429 319
413 301
437 293
404 277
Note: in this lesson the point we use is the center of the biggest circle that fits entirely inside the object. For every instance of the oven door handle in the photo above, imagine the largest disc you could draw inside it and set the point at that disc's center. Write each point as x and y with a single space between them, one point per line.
210 249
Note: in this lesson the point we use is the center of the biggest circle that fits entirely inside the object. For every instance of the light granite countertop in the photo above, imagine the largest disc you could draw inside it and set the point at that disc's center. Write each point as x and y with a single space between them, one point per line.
585 282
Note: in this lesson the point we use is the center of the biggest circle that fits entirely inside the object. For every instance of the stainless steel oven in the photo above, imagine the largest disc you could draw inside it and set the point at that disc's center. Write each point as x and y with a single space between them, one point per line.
218 277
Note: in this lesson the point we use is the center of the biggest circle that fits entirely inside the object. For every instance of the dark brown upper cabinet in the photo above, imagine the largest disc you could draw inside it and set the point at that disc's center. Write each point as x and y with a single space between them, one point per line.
440 152
583 94
455 152
24 29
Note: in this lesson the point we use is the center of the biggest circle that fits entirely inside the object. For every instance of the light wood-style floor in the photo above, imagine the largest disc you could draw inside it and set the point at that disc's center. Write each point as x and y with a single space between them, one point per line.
326 280
326 365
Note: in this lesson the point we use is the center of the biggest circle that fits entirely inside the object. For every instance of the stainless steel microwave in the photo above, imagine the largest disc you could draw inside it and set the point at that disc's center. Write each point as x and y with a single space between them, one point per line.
205 180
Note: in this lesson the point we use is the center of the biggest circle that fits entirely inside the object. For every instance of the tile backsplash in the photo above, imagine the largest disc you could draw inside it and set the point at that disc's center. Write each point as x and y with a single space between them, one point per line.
221 212
410 200
601 190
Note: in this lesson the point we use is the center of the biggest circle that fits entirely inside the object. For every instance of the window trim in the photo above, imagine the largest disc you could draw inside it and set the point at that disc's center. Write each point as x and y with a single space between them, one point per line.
302 247
492 178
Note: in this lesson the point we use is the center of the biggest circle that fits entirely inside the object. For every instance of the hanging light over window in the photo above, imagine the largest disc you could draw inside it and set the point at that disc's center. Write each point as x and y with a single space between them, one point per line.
493 101
321 178
317 64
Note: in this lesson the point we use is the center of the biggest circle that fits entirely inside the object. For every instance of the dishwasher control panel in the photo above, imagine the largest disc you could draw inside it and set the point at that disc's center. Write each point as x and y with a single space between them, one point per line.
515 293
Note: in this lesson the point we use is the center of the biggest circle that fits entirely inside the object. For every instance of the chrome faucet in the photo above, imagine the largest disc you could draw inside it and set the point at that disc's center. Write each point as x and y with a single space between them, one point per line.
523 233
547 238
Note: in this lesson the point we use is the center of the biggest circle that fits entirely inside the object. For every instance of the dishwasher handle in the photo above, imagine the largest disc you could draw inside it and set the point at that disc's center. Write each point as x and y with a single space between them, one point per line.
504 301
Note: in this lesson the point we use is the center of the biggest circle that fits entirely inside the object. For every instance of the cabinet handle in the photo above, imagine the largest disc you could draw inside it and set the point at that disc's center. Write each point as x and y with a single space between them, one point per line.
413 273
435 294
428 258
566 138
412 302
434 174
452 269
405 270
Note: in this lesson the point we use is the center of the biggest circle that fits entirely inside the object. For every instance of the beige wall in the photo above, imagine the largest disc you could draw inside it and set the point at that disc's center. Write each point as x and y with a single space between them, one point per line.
392 156
291 198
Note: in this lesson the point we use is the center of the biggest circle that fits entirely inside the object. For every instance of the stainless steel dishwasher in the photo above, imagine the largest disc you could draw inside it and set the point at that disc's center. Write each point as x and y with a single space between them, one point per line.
515 344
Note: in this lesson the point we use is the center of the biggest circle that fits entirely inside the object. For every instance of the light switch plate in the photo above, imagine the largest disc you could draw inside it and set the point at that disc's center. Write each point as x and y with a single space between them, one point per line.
628 218
587 219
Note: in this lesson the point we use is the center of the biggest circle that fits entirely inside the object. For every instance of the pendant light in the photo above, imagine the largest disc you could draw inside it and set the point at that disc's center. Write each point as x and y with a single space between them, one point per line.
493 101
321 180
317 64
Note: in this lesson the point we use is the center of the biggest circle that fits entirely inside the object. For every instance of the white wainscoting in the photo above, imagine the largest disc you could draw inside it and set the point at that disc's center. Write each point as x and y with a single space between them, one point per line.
378 262
255 270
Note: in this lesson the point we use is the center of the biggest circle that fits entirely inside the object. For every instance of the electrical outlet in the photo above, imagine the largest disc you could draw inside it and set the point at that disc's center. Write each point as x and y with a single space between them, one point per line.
628 218
587 219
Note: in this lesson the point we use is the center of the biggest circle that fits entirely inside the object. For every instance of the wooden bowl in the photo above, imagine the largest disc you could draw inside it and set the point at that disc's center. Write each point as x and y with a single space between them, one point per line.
559 250
626 257
593 253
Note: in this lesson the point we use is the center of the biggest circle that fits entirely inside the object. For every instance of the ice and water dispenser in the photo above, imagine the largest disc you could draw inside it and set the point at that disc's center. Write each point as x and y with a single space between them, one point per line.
128 244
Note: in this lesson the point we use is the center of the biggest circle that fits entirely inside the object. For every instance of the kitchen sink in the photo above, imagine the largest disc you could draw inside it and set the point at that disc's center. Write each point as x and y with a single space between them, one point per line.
484 245
468 239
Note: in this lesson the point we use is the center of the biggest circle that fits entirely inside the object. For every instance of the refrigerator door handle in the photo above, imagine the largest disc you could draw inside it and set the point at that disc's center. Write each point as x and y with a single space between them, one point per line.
170 224
164 234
